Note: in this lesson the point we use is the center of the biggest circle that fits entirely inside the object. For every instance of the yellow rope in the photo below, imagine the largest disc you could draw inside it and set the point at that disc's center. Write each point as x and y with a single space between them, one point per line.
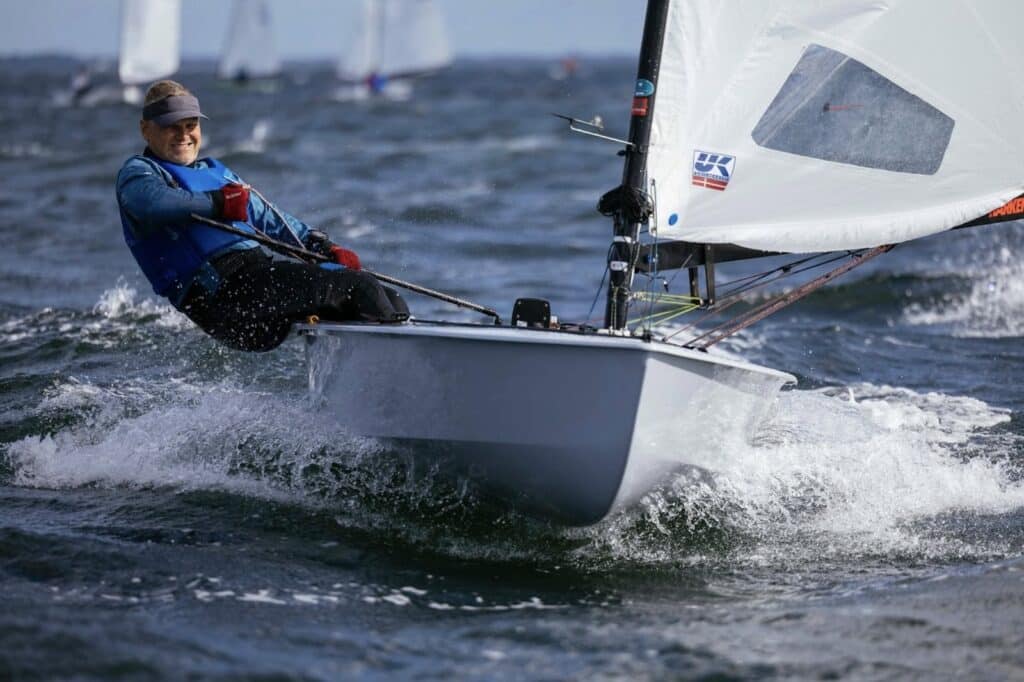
681 304
647 296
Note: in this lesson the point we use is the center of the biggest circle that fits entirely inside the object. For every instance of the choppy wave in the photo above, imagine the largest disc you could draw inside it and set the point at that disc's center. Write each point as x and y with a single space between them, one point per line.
123 302
992 308
255 143
512 145
190 439
26 150
119 313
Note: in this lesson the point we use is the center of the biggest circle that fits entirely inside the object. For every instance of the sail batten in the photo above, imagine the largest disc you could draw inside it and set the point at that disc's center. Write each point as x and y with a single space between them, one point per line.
785 125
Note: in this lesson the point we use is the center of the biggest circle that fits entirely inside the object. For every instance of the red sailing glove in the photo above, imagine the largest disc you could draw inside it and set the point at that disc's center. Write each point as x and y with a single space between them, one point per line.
346 257
234 202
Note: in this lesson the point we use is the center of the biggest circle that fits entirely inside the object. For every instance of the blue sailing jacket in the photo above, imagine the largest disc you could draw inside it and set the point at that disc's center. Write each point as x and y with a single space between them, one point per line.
156 199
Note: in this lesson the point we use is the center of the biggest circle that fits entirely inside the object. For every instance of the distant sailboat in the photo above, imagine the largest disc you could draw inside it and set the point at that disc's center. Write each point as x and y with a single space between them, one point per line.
150 36
148 51
250 52
566 68
394 40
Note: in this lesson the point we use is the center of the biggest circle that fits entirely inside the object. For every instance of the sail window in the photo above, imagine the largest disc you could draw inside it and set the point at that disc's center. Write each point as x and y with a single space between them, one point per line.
834 108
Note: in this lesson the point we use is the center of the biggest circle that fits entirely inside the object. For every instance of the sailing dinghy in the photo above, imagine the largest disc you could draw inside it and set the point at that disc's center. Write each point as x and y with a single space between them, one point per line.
392 42
830 130
150 37
250 53
149 50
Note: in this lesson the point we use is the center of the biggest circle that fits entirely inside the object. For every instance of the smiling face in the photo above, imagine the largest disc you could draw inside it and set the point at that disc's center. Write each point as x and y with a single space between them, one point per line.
176 142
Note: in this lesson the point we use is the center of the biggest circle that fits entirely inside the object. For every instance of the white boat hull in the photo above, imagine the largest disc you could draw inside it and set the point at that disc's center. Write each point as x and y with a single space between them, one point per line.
565 426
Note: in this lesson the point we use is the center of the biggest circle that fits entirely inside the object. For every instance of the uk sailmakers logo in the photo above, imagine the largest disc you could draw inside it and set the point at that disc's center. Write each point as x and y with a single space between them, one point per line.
712 170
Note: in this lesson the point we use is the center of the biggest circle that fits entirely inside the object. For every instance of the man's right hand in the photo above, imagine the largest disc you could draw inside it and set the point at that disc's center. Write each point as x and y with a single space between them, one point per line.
234 202
346 257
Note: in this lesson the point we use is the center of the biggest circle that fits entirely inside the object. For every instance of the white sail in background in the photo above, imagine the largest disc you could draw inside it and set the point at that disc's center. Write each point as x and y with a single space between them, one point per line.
250 50
362 56
787 125
394 38
150 33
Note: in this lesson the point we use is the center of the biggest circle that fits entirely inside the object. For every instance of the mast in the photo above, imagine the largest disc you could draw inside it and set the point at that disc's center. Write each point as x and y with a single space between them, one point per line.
381 13
630 204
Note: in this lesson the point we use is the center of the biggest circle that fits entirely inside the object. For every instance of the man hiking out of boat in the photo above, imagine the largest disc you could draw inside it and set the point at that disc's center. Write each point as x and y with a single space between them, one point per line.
222 281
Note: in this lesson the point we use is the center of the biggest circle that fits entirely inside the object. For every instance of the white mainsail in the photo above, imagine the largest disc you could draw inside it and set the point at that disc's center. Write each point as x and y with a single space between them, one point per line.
150 32
787 125
395 38
249 50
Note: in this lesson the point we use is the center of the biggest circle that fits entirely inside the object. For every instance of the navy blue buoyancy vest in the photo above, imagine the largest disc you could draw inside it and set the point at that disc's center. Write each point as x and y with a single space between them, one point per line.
171 256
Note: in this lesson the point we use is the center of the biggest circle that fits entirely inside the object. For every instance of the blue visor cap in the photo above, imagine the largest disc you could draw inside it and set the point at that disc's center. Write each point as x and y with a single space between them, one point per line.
173 108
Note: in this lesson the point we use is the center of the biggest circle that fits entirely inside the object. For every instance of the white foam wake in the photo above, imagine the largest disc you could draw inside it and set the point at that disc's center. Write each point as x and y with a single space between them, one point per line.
123 302
152 433
852 470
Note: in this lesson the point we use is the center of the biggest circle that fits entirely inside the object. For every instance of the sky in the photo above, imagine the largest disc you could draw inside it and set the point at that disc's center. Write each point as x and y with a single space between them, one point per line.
309 29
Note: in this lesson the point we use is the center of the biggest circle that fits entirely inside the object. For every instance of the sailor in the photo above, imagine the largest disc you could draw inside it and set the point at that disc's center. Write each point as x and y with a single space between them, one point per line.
223 282
376 83
81 84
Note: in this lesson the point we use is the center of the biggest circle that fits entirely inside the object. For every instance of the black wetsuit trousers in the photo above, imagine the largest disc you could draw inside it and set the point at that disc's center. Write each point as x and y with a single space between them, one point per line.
259 299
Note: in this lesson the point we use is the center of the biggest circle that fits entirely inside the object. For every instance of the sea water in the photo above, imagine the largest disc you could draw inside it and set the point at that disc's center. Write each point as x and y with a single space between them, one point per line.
172 508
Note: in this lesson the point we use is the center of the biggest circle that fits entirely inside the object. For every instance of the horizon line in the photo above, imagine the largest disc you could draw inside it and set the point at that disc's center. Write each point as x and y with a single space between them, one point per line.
113 56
